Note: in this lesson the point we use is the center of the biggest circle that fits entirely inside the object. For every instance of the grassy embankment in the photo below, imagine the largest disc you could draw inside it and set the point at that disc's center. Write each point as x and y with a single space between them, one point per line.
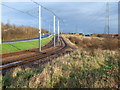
13 32
23 45
90 66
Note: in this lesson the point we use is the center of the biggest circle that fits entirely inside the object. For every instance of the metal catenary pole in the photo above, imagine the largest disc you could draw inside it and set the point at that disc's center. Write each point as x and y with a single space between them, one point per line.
49 29
58 30
0 30
54 31
39 28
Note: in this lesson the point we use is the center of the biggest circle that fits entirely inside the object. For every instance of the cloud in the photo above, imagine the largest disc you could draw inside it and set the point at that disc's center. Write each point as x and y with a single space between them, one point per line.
88 16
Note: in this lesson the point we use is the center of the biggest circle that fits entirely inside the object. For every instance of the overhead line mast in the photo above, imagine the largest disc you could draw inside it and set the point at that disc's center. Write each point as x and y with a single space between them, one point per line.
40 29
54 32
55 16
40 20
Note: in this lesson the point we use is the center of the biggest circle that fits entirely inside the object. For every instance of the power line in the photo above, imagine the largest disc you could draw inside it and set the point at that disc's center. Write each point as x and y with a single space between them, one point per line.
31 11
24 12
47 10
54 18
18 10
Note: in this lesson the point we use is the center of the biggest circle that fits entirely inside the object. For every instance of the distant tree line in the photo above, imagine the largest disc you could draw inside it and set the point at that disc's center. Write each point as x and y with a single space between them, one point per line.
13 32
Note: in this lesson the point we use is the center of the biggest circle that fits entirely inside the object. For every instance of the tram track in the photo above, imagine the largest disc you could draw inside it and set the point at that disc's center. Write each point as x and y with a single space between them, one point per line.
4 55
38 56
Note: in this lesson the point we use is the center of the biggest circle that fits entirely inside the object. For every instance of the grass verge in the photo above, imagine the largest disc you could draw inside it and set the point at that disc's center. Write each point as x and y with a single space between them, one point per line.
8 47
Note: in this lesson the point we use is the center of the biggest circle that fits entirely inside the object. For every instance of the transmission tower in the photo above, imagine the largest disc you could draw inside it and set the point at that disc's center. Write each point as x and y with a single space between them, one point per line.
106 30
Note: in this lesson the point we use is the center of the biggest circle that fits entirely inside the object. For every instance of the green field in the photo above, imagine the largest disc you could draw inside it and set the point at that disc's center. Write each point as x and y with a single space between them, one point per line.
22 45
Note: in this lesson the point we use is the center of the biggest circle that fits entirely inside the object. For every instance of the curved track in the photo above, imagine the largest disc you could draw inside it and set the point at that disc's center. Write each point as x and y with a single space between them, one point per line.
26 51
8 63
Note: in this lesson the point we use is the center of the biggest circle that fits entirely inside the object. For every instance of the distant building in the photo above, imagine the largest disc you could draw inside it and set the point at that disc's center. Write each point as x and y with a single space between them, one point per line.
87 35
106 35
76 33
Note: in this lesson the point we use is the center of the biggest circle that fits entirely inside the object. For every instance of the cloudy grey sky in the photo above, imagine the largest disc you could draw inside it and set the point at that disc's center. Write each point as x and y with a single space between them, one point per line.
84 17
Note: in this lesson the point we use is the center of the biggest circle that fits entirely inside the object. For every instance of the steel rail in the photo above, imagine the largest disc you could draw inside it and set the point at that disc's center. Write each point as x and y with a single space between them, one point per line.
27 60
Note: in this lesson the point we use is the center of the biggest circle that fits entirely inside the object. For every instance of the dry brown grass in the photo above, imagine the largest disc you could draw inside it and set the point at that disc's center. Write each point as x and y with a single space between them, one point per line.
94 43
80 69
68 41
10 33
83 68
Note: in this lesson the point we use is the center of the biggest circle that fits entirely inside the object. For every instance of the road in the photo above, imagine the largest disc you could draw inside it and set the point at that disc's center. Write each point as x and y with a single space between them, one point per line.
43 36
